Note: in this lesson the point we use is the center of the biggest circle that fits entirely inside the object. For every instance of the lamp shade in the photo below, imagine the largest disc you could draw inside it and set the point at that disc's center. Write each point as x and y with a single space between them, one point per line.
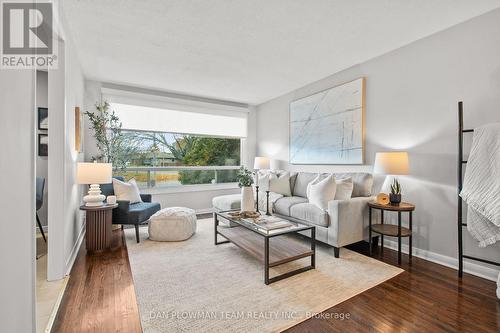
391 163
94 173
261 163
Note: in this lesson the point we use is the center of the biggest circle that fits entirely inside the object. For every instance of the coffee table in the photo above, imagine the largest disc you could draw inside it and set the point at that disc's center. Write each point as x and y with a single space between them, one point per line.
272 247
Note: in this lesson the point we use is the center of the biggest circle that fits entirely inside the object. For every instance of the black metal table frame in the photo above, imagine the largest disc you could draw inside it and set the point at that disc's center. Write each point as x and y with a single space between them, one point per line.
267 279
410 222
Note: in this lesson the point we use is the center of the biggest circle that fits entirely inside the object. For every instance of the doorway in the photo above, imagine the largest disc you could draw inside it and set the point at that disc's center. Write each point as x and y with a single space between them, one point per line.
48 293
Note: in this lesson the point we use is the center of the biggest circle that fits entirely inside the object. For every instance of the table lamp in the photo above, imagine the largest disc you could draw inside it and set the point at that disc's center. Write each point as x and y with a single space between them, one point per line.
94 174
392 163
260 163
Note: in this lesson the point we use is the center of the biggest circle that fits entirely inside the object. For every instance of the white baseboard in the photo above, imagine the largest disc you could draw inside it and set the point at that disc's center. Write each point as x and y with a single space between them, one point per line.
204 211
75 249
469 267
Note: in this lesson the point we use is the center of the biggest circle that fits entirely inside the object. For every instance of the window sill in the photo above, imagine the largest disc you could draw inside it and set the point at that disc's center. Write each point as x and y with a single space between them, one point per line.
190 188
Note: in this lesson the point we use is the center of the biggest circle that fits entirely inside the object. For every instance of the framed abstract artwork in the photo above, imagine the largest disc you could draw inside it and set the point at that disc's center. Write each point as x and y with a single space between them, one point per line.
329 126
43 118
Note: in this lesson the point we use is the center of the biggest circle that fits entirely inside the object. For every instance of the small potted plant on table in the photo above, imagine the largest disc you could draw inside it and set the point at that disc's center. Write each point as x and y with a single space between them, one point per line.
395 195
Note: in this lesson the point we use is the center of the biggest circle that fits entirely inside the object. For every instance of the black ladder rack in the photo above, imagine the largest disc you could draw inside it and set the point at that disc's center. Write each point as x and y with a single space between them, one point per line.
460 223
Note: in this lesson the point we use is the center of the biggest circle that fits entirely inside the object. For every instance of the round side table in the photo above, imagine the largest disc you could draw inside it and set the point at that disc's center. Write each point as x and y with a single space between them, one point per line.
391 230
98 233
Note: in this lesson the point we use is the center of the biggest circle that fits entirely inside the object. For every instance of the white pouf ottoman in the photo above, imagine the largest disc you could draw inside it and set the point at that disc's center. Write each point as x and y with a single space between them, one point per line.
172 224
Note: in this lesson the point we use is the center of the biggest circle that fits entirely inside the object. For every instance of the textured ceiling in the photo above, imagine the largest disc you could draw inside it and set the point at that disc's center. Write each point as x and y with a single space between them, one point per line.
247 50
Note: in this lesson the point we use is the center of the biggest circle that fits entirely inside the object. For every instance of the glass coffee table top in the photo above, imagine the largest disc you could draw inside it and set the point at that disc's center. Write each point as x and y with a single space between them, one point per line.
265 225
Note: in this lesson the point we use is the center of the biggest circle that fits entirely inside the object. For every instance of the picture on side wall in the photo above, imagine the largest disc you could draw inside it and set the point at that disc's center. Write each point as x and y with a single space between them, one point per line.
328 127
78 129
43 118
43 145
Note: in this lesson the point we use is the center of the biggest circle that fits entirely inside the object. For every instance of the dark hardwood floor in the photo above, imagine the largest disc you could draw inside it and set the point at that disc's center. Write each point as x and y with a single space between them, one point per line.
100 295
427 297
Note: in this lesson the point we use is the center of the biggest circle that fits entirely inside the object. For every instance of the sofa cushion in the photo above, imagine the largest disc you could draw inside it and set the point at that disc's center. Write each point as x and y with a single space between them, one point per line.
362 181
310 213
301 182
273 197
293 178
320 192
141 211
344 188
262 180
280 183
227 202
282 206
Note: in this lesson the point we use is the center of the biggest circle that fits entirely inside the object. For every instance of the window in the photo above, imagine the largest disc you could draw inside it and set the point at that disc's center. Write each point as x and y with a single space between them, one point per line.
157 159
157 154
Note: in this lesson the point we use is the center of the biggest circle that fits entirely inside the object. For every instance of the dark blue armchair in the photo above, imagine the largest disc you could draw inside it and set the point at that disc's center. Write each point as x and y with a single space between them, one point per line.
127 213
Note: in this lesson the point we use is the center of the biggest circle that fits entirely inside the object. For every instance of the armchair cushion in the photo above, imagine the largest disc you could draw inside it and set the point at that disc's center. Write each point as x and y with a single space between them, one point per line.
127 190
141 211
146 197
107 189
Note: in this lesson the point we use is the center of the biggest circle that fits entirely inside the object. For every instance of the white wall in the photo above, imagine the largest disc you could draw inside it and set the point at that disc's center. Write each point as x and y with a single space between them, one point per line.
411 104
42 95
66 222
17 201
92 96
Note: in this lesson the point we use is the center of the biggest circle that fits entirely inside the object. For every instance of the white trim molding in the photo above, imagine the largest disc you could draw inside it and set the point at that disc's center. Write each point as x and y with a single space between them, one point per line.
75 249
205 211
469 267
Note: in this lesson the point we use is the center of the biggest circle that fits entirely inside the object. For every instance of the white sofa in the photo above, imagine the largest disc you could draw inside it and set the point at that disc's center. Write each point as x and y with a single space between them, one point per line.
343 223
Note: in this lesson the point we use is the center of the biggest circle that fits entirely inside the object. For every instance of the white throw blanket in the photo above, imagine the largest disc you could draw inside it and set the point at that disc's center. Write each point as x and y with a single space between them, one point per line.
481 189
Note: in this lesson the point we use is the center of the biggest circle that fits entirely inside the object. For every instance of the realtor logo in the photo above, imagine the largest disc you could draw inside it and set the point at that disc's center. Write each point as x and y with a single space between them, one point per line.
27 35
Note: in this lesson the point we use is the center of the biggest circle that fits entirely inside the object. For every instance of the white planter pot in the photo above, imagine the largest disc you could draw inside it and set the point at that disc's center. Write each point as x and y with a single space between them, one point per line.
247 201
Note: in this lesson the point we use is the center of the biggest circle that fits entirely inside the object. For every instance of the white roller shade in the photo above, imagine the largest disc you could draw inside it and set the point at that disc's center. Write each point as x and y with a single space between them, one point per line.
186 117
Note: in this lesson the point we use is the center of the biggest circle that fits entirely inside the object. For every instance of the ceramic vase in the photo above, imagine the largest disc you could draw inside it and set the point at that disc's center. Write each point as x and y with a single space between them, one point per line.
247 200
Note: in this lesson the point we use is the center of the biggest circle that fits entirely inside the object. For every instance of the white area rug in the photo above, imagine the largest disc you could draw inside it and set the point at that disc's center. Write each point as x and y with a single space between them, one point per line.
195 286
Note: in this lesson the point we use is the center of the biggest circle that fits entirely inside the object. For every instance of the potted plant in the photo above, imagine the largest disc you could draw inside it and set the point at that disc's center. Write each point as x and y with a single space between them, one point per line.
245 181
395 195
114 146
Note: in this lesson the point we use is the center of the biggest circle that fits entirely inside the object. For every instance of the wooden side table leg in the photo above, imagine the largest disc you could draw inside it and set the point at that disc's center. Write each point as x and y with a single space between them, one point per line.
370 230
399 238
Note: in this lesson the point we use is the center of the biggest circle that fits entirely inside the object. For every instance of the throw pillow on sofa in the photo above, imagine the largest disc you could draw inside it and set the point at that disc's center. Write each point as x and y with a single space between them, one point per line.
263 184
280 184
127 191
263 181
321 191
344 188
